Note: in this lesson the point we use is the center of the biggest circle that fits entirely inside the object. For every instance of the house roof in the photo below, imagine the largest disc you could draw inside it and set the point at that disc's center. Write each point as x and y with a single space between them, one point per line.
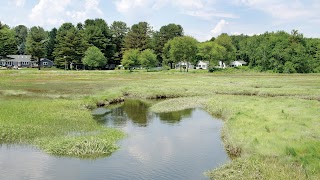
242 62
19 58
45 59
239 61
204 62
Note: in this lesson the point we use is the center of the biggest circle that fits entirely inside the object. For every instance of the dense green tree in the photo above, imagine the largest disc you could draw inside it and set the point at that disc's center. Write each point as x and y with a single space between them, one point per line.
51 43
21 38
226 41
119 31
183 49
148 59
2 25
94 58
36 43
7 42
211 51
167 60
98 33
165 34
70 46
131 58
139 37
279 52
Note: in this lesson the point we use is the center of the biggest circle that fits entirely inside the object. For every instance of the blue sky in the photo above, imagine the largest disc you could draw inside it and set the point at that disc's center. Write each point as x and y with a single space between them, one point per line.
201 19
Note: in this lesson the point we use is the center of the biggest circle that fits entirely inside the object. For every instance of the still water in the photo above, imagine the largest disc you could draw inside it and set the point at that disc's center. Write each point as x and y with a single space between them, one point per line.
177 145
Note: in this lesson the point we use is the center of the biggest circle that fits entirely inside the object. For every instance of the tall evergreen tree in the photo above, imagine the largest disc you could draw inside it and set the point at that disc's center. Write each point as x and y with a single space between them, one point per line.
51 43
70 46
139 37
21 38
36 43
119 31
98 33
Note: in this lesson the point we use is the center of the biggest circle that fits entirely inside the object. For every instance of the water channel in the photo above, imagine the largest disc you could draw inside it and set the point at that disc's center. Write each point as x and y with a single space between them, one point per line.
177 145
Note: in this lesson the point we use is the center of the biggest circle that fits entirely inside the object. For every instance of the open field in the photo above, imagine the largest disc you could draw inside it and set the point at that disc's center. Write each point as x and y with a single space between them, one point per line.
272 121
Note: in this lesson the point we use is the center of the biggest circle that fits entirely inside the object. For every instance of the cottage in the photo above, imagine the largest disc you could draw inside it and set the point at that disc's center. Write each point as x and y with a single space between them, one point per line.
16 61
237 63
44 62
184 65
202 65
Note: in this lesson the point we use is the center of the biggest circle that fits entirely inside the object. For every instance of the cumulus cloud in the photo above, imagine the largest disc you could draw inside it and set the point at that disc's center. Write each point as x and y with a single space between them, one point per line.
218 29
55 12
43 12
90 8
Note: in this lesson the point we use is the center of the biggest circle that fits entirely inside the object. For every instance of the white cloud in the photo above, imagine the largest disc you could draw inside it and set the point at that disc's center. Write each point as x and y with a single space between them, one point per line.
42 13
89 9
208 15
125 6
196 8
19 3
55 12
283 9
218 29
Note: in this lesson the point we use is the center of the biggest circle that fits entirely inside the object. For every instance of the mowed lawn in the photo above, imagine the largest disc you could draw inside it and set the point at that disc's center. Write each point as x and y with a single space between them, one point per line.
272 121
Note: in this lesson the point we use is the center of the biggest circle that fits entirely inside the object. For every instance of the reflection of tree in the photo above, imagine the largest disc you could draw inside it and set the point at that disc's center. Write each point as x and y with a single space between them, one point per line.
137 111
117 117
175 117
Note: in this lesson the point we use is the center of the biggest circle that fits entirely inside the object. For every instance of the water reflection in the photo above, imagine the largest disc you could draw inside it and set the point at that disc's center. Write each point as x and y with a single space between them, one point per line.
136 111
156 148
175 117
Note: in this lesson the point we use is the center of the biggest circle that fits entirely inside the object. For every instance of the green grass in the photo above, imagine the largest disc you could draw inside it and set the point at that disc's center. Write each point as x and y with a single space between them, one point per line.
271 129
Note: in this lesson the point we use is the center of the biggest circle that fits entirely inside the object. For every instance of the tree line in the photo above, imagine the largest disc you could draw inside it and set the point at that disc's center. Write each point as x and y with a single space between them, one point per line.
94 43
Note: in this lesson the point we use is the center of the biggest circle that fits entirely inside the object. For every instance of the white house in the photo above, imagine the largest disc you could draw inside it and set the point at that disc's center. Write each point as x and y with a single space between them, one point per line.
184 65
202 65
17 60
237 63
222 64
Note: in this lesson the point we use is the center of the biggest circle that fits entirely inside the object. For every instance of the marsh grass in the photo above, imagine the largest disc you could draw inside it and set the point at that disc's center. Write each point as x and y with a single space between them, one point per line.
100 144
271 120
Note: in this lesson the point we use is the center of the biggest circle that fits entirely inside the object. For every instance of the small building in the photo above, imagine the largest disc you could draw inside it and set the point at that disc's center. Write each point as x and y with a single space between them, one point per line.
202 65
47 63
184 65
16 61
238 63
222 65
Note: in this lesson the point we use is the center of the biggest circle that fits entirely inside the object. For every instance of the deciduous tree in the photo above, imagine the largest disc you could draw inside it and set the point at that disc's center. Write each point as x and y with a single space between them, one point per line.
165 34
7 42
94 58
148 59
131 58
183 49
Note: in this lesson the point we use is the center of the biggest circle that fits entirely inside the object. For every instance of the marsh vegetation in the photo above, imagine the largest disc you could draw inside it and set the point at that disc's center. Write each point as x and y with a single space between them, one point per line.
271 121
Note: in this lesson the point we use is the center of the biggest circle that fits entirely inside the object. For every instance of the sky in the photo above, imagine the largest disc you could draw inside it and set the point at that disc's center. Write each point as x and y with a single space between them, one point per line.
201 19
